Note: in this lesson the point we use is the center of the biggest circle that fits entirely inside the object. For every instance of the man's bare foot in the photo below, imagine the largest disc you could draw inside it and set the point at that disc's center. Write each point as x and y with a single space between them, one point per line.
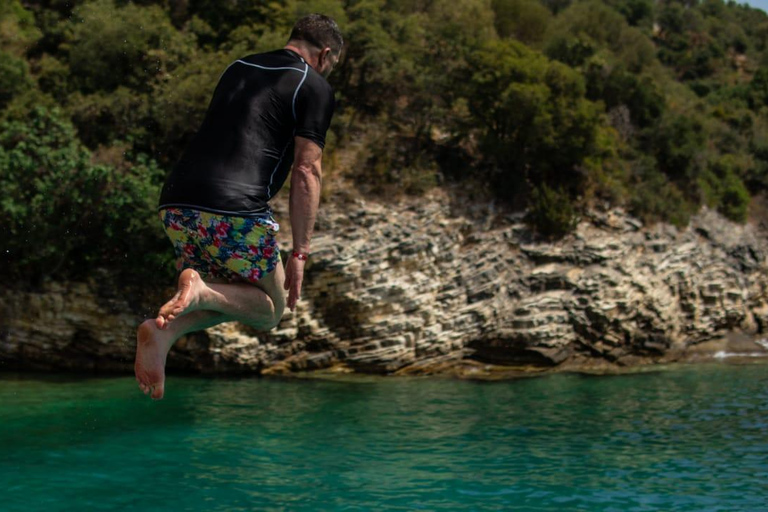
190 289
151 351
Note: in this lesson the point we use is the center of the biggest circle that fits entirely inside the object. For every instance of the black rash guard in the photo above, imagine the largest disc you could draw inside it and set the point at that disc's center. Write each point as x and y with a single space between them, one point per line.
242 153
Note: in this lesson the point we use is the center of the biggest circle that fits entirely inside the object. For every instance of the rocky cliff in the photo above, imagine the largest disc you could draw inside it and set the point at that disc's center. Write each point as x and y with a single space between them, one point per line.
432 287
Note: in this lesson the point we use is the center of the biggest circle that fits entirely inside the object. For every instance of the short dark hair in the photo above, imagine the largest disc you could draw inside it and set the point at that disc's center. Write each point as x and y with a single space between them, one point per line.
318 30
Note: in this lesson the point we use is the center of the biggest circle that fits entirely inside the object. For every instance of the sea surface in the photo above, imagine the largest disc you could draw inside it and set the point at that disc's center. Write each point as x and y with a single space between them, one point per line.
689 438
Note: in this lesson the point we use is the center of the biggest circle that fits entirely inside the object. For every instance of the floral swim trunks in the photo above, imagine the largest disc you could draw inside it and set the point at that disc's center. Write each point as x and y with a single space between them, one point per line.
222 246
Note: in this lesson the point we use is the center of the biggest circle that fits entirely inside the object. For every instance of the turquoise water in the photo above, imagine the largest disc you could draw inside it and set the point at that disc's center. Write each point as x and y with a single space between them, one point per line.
692 438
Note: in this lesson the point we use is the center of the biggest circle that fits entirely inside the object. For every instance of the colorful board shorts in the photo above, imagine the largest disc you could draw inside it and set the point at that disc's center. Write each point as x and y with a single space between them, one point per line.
222 246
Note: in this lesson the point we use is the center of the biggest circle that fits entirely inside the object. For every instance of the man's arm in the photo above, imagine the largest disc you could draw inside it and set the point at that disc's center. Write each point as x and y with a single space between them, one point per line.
306 178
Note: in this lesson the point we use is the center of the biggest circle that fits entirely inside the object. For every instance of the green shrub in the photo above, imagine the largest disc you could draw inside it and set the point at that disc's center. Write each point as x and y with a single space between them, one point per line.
734 199
678 141
103 118
524 20
395 165
533 119
615 86
585 27
177 106
17 28
723 188
53 77
131 46
655 198
607 170
64 215
757 91
552 213
14 77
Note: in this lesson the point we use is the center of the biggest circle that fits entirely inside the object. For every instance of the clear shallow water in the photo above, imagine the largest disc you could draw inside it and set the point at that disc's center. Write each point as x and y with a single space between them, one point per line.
695 438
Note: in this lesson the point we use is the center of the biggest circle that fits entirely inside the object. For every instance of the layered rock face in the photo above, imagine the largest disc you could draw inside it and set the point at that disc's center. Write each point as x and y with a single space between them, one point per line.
423 289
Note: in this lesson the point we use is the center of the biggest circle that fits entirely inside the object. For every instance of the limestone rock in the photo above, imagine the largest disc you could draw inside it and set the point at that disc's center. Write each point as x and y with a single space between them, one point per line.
420 288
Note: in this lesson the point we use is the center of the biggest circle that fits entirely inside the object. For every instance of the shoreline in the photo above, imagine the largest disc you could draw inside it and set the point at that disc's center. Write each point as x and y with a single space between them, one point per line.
733 350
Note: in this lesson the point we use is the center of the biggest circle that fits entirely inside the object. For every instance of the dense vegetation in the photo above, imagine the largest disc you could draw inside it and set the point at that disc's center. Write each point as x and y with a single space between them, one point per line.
551 105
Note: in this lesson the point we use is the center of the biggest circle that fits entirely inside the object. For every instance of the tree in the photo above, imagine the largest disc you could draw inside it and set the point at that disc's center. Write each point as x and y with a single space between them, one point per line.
524 20
535 123
130 46
63 214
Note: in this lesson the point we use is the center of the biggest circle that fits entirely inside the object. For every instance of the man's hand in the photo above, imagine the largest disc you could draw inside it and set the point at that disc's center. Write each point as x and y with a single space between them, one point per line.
294 275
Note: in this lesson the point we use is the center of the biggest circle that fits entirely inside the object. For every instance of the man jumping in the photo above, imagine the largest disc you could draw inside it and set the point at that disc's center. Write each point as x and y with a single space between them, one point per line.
268 111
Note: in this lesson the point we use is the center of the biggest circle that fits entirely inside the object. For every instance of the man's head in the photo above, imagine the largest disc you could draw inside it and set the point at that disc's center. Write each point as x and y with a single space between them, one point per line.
319 39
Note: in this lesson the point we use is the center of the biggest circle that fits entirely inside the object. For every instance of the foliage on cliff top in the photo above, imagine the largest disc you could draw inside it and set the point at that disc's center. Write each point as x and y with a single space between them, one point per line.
656 106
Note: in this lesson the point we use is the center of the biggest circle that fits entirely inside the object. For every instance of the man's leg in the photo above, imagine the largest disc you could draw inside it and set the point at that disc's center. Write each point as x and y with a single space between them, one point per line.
259 305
